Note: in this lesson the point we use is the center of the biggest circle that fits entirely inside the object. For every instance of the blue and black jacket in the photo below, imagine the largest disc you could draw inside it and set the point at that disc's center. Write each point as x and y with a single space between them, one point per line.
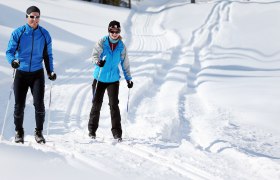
31 46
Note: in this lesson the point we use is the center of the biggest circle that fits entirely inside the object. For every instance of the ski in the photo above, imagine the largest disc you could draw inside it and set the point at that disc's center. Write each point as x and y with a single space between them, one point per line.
21 141
119 139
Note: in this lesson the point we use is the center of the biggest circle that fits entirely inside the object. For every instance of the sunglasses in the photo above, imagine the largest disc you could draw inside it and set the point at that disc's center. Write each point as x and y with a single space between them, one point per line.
114 32
32 17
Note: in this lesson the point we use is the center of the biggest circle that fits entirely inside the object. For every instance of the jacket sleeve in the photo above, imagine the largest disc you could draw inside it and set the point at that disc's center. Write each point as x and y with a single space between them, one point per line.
12 47
97 50
125 64
48 55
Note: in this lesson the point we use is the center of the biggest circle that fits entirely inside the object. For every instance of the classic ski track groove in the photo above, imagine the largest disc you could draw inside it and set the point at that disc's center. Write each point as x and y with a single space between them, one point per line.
72 112
186 170
56 146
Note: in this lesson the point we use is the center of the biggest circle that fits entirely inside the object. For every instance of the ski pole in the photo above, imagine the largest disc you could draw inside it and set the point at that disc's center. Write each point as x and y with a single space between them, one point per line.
127 111
100 70
5 117
49 111
127 101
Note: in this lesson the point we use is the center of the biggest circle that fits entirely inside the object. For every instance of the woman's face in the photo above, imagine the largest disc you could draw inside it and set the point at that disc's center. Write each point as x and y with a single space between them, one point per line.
114 34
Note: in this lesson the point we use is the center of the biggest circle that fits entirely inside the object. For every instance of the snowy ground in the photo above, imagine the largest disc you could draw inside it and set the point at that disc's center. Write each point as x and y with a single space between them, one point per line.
204 103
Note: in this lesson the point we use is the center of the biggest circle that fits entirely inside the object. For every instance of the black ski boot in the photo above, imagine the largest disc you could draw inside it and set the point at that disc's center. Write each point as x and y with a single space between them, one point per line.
39 136
118 138
19 137
92 135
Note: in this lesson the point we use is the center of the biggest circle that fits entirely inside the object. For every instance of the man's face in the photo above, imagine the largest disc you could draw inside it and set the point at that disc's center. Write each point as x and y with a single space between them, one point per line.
33 19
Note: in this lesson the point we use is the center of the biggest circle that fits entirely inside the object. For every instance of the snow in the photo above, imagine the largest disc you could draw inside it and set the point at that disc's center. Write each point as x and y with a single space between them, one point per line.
204 103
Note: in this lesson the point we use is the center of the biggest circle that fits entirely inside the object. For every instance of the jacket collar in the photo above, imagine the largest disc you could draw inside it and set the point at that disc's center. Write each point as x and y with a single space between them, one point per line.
28 28
106 43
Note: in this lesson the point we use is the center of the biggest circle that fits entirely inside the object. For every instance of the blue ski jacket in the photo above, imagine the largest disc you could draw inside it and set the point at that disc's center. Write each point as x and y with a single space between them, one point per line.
115 60
31 46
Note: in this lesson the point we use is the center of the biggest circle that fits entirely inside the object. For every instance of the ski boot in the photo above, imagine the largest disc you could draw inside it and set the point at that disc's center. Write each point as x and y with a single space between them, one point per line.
118 138
39 136
92 135
19 137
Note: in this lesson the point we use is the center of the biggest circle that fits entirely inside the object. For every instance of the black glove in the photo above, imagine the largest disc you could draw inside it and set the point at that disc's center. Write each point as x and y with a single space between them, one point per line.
15 63
101 63
52 76
129 84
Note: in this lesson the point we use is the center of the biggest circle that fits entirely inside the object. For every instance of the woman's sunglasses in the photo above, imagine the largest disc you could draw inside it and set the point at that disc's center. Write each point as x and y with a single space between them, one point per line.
114 32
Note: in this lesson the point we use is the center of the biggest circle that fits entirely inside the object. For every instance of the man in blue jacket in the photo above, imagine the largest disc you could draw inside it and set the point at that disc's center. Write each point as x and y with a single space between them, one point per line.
29 45
108 54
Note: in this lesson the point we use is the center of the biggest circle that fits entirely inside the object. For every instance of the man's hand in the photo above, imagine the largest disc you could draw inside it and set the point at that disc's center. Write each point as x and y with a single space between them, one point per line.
52 76
15 64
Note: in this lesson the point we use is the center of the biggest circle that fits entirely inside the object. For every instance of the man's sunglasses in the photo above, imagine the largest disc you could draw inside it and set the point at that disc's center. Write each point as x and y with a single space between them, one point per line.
32 17
114 32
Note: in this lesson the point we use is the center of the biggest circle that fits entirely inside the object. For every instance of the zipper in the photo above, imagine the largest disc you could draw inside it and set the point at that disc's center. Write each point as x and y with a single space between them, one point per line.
31 50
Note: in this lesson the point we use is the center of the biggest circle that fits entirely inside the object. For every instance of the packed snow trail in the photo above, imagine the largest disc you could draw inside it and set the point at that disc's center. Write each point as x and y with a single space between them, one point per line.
71 103
159 140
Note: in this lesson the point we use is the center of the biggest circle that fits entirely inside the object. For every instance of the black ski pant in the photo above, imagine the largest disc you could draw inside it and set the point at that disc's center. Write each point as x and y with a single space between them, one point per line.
36 82
98 94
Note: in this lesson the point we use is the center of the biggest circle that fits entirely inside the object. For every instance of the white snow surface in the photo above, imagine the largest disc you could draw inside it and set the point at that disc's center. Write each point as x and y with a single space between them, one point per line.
205 102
